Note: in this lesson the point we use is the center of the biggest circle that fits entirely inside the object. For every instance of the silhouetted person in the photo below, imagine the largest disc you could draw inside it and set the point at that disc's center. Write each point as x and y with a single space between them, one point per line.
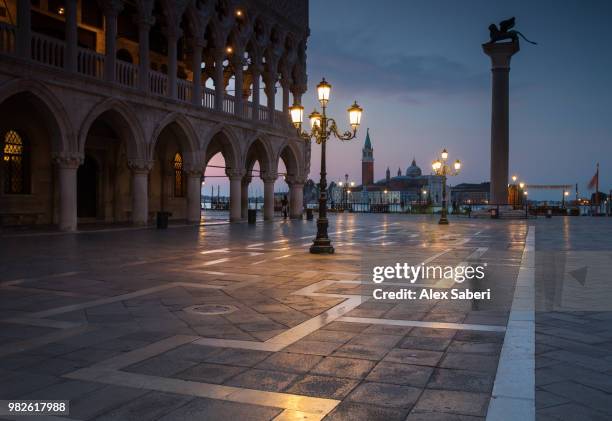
284 204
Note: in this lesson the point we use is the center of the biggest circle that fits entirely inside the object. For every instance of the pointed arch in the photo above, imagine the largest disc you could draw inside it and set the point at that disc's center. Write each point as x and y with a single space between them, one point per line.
222 138
292 157
182 129
259 149
125 121
52 111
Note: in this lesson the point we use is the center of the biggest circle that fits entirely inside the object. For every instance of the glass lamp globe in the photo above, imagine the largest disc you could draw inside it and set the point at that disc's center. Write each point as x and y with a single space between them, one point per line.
355 112
297 115
323 91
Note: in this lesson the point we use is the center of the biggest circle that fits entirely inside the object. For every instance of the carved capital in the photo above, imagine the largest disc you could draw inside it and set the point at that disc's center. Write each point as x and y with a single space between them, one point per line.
68 159
269 177
140 166
295 180
235 173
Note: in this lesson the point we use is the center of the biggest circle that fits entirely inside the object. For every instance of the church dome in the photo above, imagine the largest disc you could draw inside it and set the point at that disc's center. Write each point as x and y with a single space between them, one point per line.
413 170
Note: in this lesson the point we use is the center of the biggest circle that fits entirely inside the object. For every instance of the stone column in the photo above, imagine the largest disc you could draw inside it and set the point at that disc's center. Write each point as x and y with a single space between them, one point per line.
238 62
196 68
70 53
269 196
296 199
219 81
286 84
24 29
255 75
235 177
244 196
500 54
270 82
194 195
67 166
144 27
173 35
111 11
140 190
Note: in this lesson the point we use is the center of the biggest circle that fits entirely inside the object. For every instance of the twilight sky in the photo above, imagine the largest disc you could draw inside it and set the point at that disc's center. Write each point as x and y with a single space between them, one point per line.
418 70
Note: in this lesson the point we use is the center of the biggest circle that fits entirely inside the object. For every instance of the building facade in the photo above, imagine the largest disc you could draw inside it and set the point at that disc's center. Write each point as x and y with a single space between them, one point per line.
471 193
110 110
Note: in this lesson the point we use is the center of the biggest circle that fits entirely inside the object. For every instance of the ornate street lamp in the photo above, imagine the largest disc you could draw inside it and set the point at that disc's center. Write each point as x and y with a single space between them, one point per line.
440 168
322 128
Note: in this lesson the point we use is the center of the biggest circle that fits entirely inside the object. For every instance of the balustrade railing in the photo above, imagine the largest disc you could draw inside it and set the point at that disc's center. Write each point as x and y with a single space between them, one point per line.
229 104
50 51
184 89
263 113
90 63
126 73
7 38
47 50
208 98
158 83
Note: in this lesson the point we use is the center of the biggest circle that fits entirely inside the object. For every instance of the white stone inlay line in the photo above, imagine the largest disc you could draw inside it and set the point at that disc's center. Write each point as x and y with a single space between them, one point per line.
107 372
416 323
514 388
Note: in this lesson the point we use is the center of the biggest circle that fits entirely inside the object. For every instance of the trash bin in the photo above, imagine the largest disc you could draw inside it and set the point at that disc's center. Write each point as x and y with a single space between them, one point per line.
252 216
495 213
549 213
162 220
309 214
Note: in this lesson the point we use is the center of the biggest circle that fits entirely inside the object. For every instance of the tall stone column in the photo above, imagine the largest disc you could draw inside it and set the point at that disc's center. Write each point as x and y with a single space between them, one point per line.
219 80
140 190
270 82
244 197
111 11
500 54
67 166
238 63
196 68
269 196
144 27
296 199
194 195
70 53
24 29
235 177
255 75
173 36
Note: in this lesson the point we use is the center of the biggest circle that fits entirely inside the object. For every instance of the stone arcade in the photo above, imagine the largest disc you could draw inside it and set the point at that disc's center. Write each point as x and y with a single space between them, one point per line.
102 119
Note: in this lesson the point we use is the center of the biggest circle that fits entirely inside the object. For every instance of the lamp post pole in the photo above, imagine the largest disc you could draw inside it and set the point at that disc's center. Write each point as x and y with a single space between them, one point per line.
322 128
442 169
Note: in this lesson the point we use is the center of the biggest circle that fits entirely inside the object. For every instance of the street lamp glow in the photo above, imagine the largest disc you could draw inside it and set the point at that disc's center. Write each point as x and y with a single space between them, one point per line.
386 192
315 119
323 91
355 115
340 183
566 193
442 169
297 115
444 155
436 165
352 183
525 193
457 165
514 178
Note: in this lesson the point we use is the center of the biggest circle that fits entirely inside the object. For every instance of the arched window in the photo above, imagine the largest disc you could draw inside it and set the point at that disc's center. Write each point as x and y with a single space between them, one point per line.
14 159
179 185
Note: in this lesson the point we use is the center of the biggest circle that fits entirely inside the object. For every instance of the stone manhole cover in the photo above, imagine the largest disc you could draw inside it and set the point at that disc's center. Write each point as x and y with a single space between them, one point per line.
211 309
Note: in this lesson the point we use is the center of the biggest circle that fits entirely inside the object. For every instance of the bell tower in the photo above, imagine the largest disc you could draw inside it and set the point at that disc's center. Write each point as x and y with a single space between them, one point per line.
367 162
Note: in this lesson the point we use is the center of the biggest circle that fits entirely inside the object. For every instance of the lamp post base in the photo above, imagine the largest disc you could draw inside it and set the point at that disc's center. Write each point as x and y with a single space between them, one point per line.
322 246
443 219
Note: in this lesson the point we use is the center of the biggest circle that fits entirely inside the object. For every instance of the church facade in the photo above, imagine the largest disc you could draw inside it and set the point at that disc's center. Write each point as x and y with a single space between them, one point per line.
407 188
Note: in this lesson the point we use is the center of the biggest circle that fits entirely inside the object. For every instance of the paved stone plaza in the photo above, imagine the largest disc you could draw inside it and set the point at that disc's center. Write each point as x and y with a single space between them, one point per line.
114 322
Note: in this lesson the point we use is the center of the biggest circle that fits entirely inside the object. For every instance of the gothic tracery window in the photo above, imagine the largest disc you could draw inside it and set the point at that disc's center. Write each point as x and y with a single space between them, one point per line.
15 163
178 175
